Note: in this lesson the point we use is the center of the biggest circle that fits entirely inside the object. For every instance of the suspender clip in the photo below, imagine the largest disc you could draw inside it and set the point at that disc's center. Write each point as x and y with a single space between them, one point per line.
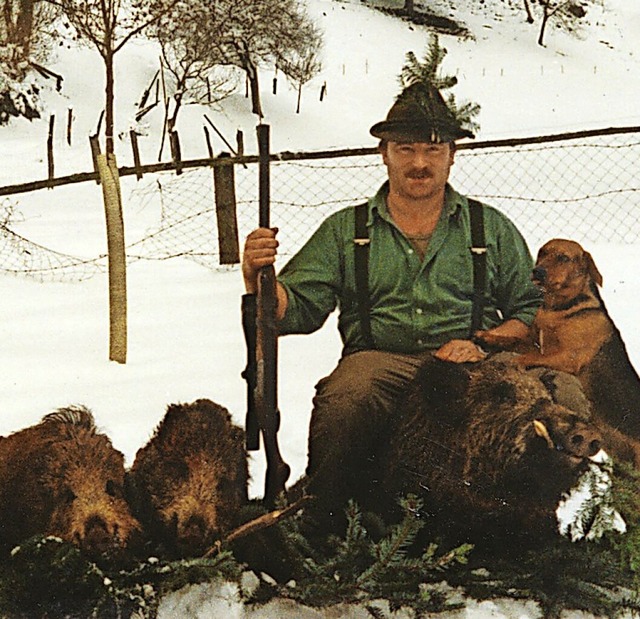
362 242
478 251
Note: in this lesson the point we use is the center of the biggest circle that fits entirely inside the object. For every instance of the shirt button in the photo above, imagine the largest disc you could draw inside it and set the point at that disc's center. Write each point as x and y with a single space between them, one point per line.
419 310
420 342
410 251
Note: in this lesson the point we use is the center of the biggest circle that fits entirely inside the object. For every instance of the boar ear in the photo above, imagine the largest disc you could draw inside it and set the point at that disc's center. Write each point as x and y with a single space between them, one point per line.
502 392
443 385
592 269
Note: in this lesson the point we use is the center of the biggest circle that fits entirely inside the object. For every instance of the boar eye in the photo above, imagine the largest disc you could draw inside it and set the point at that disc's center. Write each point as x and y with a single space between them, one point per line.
68 495
111 488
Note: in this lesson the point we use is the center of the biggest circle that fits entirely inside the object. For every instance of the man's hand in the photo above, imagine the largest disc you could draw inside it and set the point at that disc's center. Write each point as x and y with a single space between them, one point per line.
460 351
260 250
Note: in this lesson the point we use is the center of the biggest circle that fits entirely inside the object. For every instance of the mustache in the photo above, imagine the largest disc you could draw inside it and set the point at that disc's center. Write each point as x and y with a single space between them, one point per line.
418 174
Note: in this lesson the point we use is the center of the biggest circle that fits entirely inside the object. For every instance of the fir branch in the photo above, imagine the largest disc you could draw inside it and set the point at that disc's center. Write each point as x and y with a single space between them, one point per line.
391 551
418 76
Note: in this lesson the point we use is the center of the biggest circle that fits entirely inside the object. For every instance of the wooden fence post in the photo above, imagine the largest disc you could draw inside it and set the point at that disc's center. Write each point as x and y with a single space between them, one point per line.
240 142
69 125
136 153
207 137
50 167
174 143
94 142
108 171
225 198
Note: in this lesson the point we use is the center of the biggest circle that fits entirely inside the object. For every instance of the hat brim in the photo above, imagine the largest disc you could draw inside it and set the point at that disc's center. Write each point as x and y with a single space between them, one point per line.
403 131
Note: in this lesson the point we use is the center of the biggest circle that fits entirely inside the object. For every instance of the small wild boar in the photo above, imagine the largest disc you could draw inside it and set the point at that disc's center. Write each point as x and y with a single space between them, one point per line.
62 477
190 481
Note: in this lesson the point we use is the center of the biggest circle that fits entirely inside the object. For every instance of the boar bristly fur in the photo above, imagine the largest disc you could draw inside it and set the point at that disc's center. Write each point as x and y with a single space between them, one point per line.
62 477
190 481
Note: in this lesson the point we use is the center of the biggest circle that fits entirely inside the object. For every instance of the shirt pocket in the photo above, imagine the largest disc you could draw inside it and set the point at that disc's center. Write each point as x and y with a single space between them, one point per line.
452 277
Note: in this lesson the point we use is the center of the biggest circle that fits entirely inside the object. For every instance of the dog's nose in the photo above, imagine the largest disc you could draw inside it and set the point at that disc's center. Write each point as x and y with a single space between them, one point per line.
539 274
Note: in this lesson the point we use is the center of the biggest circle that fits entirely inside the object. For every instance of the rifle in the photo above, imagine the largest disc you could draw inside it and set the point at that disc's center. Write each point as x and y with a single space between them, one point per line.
259 324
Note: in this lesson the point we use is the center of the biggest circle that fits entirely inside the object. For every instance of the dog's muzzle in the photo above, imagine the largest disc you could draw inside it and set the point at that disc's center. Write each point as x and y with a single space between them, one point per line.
539 274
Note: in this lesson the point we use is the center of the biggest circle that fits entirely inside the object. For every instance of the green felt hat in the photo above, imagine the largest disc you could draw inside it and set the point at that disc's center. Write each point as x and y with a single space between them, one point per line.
420 114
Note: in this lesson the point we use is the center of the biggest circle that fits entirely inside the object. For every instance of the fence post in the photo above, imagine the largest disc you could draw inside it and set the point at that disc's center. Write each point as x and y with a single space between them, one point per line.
108 171
94 142
50 168
174 143
208 140
69 124
225 197
136 153
240 142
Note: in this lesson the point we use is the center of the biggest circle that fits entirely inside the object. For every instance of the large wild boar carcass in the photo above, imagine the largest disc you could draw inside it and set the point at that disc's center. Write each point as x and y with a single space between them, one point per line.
488 451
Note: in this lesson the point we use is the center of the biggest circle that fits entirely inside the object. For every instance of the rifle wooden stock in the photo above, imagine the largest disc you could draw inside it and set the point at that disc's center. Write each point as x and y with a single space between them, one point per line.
252 427
266 394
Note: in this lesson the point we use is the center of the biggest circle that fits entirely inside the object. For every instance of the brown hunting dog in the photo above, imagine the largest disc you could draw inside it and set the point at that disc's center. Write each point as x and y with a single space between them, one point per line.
573 332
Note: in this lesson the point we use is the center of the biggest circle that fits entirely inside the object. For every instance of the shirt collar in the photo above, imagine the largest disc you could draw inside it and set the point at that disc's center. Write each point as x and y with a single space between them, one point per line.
453 203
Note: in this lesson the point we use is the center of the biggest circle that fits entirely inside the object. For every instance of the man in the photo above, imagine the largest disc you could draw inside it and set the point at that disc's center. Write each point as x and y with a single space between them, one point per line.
420 291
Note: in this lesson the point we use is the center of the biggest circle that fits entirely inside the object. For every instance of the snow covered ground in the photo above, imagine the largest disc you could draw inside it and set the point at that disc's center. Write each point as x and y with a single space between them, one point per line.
185 340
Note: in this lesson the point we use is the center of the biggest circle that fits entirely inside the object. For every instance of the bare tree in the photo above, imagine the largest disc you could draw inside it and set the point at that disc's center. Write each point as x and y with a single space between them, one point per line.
26 37
25 33
302 64
192 62
565 13
256 32
107 25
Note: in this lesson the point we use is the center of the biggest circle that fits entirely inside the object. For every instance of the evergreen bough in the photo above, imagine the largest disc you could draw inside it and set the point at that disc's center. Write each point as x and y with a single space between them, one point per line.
46 577
427 72
357 569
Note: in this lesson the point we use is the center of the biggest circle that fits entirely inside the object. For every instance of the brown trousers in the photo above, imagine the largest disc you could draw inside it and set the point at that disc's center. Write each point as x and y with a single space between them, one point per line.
352 410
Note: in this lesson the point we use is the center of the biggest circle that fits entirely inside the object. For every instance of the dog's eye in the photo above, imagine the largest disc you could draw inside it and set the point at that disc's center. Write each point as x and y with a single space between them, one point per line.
563 258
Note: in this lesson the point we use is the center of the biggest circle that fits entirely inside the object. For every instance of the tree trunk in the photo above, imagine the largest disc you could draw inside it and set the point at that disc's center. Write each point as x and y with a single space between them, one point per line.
109 101
527 8
299 97
545 18
24 26
408 7
173 119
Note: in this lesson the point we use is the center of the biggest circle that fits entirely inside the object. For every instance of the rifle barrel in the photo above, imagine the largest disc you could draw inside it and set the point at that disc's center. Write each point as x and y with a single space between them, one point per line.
263 172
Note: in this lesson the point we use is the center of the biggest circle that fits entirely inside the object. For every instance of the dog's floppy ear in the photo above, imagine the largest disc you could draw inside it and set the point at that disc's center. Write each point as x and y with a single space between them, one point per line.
592 269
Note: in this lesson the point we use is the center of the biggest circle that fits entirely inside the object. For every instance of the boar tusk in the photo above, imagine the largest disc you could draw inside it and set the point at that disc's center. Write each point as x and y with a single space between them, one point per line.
541 430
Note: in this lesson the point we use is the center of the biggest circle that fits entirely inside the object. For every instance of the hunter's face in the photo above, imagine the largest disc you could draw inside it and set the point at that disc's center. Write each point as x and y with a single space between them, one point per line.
417 170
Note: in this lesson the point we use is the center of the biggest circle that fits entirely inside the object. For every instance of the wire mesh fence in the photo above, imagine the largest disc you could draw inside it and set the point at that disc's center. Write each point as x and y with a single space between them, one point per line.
585 188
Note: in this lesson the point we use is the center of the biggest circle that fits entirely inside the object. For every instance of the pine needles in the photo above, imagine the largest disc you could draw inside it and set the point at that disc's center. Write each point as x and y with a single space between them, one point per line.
417 75
383 569
357 569
46 577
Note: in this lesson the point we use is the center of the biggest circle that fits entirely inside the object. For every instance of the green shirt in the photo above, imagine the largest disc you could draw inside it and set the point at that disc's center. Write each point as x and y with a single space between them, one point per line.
416 304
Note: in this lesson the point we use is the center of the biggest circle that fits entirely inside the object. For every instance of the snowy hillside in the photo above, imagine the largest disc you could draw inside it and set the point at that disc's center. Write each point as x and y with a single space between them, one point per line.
185 340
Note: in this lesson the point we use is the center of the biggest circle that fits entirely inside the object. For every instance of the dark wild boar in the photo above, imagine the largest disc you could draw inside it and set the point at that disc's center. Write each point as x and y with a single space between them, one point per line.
190 481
